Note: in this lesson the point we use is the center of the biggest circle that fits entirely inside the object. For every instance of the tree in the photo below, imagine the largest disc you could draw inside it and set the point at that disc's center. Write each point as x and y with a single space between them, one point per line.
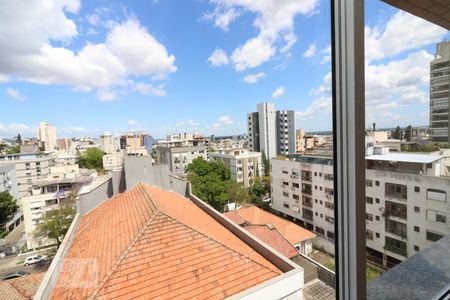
408 133
258 191
396 133
55 223
13 150
19 139
8 208
237 193
3 147
91 159
265 164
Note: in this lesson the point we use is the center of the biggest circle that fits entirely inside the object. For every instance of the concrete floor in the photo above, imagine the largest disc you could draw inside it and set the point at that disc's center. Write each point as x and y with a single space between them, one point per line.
317 290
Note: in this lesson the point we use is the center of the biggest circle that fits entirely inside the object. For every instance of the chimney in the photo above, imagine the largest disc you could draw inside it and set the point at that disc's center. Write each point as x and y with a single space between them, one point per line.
373 124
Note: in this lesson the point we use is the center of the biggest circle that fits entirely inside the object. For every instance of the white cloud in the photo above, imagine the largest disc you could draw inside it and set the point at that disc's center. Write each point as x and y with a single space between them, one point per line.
187 124
253 78
218 58
106 95
311 51
223 121
322 103
29 30
327 57
222 19
274 21
93 19
15 94
134 123
10 130
278 92
403 32
148 89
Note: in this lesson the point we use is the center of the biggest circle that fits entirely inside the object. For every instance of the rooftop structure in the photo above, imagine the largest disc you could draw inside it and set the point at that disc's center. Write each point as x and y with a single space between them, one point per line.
151 243
22 288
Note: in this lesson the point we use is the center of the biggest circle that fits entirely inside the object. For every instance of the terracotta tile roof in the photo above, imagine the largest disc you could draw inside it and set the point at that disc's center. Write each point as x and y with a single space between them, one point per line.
256 216
273 238
20 288
148 243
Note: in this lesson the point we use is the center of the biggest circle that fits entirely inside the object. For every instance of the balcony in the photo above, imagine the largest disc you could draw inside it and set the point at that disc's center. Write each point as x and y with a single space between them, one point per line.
307 191
306 178
307 203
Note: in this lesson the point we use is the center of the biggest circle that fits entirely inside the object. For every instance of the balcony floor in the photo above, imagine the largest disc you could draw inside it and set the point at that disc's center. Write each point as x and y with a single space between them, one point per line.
317 290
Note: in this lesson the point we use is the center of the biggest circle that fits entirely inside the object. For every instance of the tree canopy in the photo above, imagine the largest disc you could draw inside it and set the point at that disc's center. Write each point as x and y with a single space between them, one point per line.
91 159
8 207
396 133
55 223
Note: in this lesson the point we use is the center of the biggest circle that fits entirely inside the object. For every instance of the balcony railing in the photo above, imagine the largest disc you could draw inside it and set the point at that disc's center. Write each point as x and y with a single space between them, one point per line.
307 178
307 191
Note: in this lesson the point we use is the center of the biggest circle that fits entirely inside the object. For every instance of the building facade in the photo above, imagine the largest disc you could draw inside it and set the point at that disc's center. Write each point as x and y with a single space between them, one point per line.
243 164
107 144
439 93
407 206
47 136
179 150
271 131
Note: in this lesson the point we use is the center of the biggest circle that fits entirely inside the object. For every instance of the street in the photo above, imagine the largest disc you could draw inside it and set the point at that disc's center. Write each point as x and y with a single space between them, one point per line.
36 268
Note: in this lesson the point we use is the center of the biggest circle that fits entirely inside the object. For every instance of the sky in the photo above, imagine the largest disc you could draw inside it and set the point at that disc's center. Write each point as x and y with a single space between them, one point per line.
197 65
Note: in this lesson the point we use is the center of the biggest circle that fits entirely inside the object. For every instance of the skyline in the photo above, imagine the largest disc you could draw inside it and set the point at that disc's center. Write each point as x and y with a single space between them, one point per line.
198 66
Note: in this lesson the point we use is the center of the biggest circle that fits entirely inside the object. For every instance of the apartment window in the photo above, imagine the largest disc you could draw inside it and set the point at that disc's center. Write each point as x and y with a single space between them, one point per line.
295 197
307 201
377 183
369 200
285 183
329 205
434 237
285 194
320 202
416 228
396 228
317 214
395 209
395 246
441 218
436 195
320 231
295 185
369 182
377 218
285 171
417 189
285 205
330 235
416 248
395 190
416 209
308 214
329 219
369 217
315 173
369 234
377 235
377 200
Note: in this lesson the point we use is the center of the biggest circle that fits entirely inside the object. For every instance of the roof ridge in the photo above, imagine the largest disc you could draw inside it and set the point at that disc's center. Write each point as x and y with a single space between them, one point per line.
213 239
130 246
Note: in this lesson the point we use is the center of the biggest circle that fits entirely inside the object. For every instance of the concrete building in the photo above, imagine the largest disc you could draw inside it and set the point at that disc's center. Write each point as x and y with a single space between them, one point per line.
179 150
300 141
29 168
8 183
274 129
113 160
47 136
64 144
439 93
406 201
107 144
134 143
243 164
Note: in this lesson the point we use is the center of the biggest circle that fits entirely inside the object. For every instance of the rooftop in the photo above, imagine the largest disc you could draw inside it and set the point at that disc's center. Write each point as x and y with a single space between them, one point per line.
253 215
405 157
20 288
148 242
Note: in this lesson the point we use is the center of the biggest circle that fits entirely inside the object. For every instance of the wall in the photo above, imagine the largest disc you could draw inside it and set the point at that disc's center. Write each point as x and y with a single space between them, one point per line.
97 195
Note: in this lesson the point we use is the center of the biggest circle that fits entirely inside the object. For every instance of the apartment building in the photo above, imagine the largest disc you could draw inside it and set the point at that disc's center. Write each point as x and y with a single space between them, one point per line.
271 131
439 93
29 167
107 144
8 183
300 141
243 164
47 136
406 201
179 150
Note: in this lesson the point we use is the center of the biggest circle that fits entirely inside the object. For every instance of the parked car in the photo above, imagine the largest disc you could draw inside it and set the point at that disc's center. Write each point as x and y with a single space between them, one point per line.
35 259
15 275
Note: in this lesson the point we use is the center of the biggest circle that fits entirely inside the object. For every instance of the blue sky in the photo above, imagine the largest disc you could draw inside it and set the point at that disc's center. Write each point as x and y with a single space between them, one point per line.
183 66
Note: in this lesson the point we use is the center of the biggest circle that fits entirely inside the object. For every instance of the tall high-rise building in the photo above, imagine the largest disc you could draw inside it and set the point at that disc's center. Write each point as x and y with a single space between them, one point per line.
439 93
271 131
47 136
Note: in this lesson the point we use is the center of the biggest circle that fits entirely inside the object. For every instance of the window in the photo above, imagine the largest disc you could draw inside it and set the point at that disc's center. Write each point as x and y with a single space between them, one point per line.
417 189
377 218
369 200
368 182
396 228
308 214
434 237
295 185
395 209
369 217
441 218
329 219
285 205
395 246
296 197
395 190
377 235
369 234
330 235
377 200
320 231
416 209
377 183
416 228
416 248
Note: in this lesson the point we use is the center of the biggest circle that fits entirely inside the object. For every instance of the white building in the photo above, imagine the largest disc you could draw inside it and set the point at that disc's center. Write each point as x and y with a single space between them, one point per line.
47 136
243 164
179 150
407 206
107 143
113 161
271 131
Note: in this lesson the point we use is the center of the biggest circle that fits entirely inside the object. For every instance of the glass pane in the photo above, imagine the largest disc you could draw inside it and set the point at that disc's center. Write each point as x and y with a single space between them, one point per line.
407 97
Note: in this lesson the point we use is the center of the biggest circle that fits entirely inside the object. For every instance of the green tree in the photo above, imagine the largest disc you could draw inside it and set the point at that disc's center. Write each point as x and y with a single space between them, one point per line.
265 164
13 150
91 159
8 208
396 133
19 139
408 133
3 147
55 223
237 193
